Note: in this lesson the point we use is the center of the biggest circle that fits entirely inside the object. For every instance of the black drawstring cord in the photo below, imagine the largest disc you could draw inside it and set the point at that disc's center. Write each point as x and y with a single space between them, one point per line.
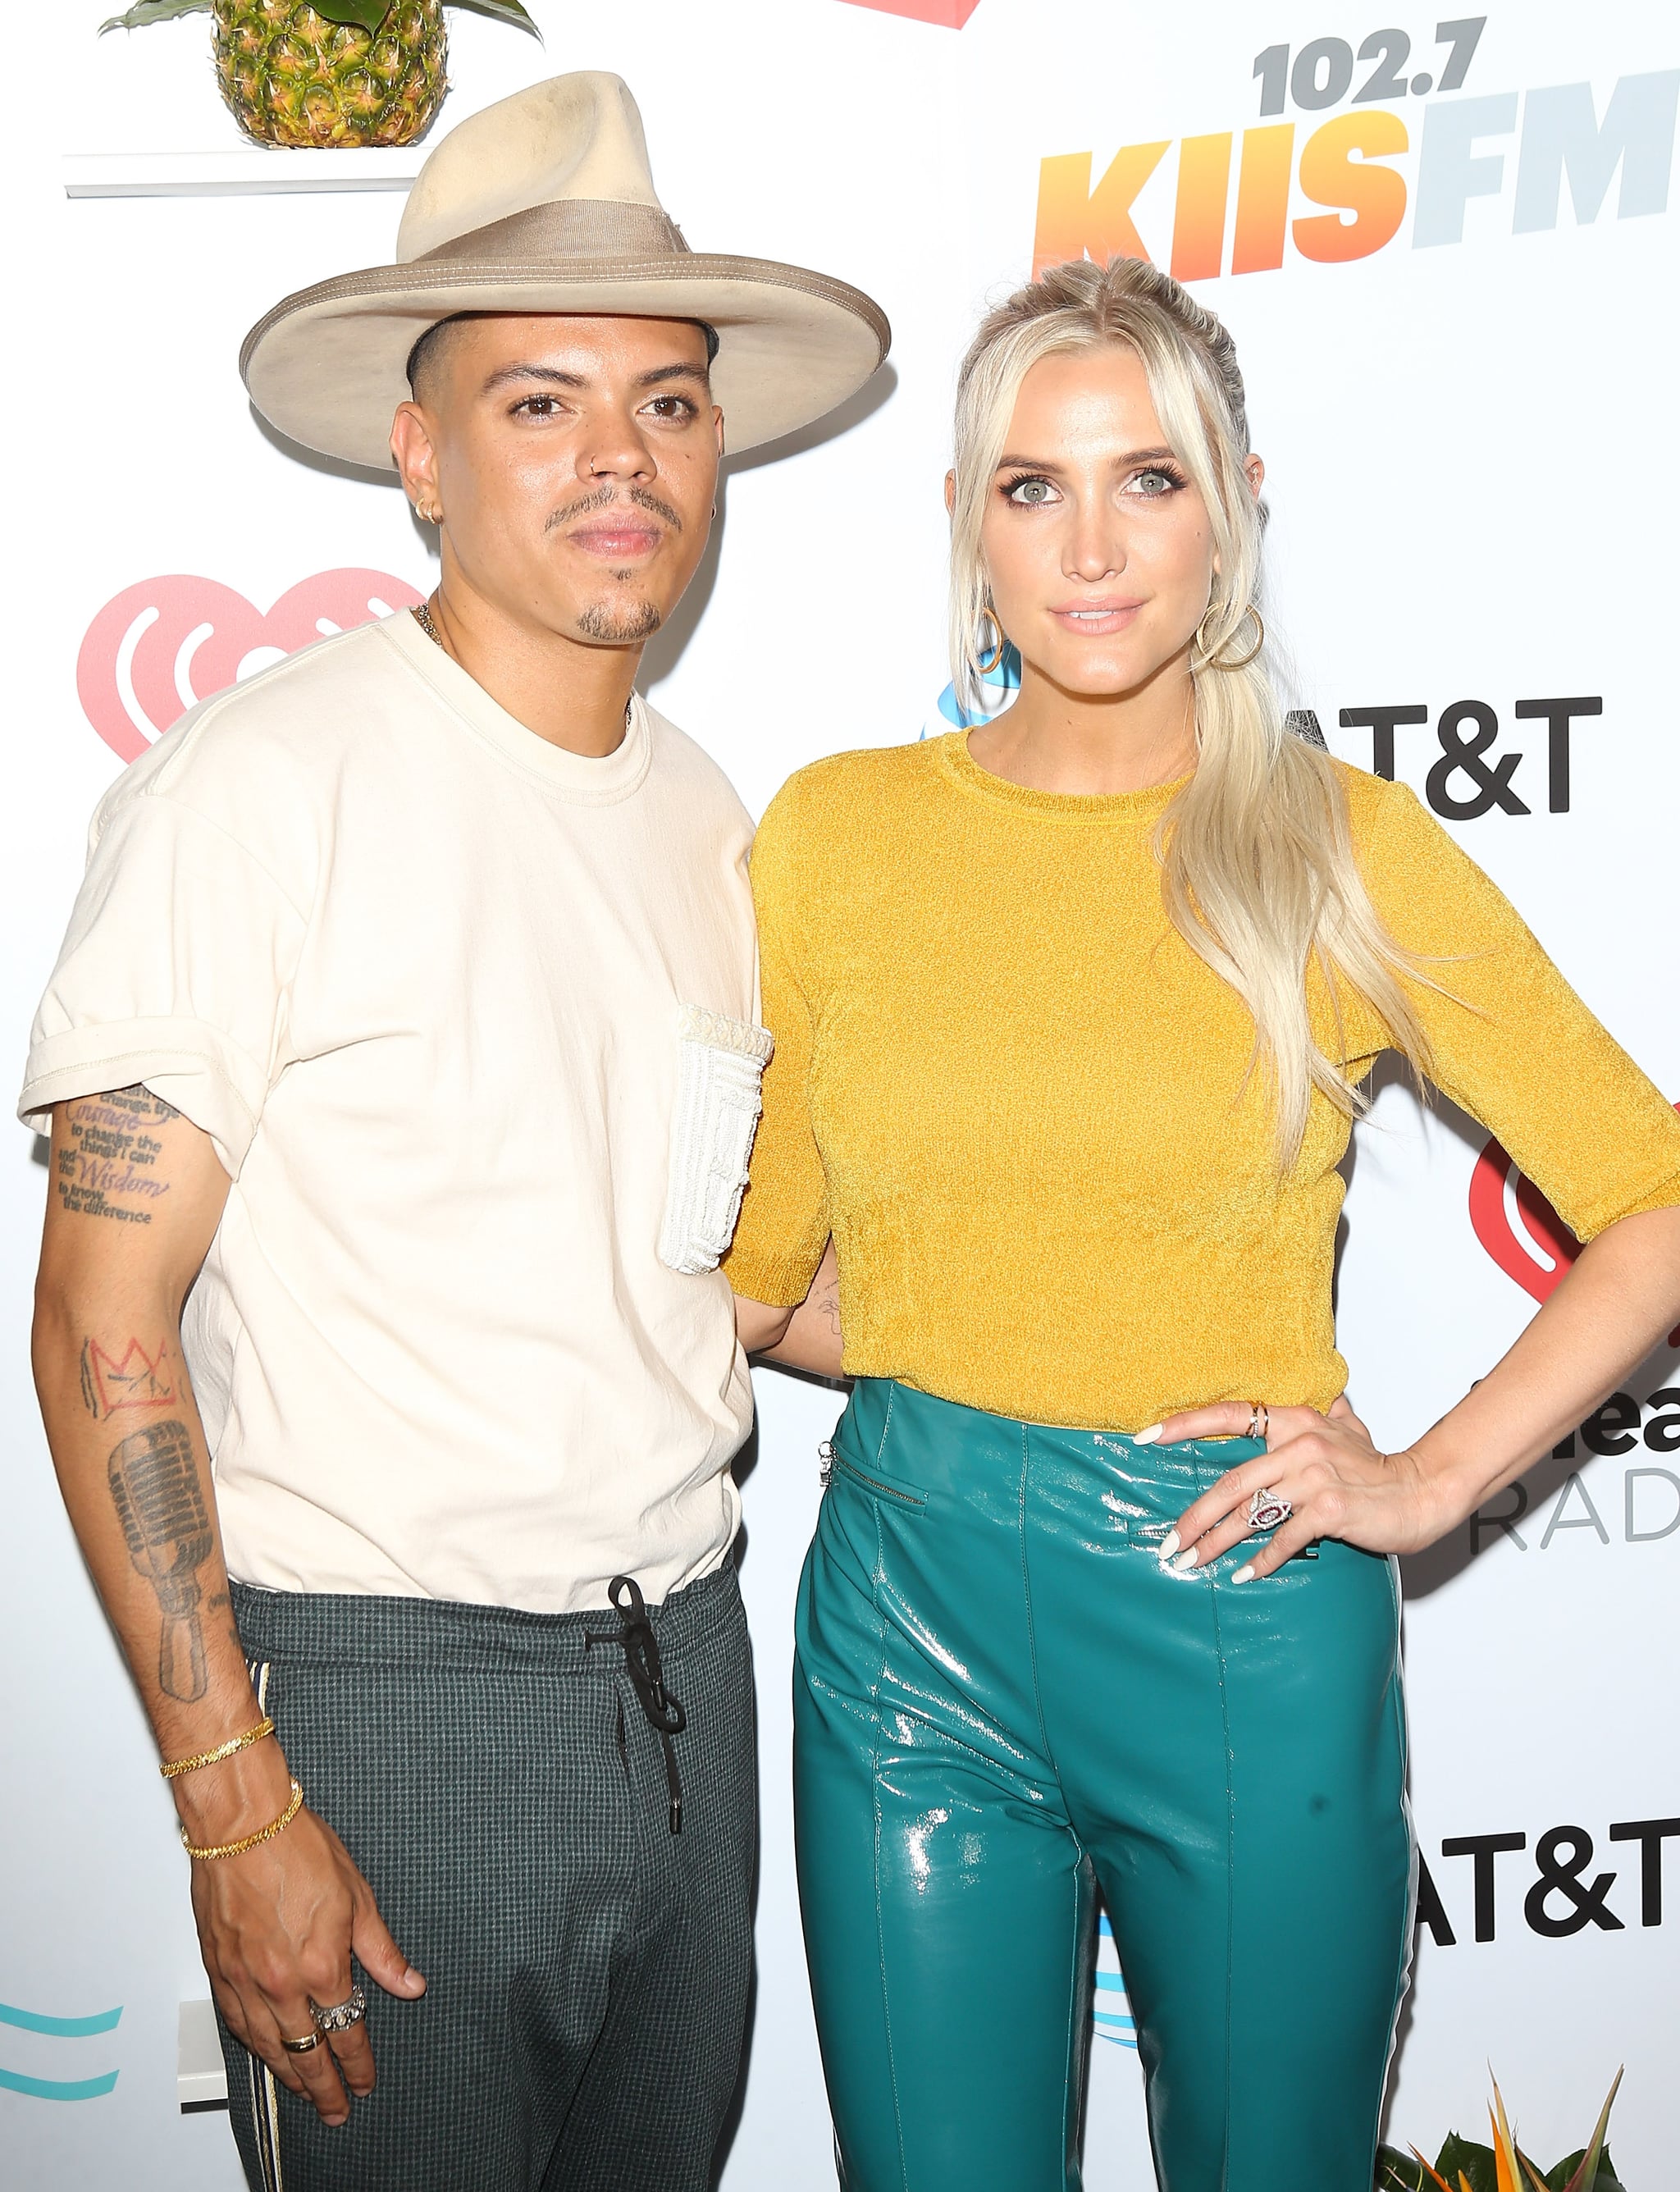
663 1713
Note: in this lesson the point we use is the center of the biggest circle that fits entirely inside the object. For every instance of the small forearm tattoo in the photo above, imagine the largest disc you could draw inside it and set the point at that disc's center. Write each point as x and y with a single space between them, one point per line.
133 1378
107 1167
159 1499
827 1304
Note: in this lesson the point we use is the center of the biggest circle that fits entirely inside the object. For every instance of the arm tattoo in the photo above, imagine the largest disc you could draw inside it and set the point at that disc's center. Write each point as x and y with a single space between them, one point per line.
156 1489
827 1304
106 1168
134 1379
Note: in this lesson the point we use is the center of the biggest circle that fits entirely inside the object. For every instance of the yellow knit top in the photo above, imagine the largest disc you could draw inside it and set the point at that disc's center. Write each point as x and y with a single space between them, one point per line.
1021 1104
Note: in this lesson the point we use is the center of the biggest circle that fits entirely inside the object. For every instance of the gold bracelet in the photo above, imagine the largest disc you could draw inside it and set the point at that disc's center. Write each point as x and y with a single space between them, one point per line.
208 1850
171 1767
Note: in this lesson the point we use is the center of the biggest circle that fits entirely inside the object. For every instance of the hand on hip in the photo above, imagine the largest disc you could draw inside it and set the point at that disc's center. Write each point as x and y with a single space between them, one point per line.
1320 1476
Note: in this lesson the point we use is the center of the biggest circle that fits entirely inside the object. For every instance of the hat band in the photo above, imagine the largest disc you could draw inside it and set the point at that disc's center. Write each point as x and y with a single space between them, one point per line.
565 228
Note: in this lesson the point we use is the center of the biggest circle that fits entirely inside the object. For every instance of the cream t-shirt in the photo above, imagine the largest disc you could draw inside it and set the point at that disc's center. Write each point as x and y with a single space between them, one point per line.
446 998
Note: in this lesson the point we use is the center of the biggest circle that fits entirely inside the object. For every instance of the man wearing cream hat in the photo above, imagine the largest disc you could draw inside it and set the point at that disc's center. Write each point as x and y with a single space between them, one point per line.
405 1031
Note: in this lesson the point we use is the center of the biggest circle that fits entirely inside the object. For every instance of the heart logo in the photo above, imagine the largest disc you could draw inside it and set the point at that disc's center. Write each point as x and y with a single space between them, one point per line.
163 646
953 14
1519 1227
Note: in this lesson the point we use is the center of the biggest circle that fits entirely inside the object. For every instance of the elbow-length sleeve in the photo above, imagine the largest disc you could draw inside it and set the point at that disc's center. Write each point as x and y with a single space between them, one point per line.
1513 1044
175 973
784 1224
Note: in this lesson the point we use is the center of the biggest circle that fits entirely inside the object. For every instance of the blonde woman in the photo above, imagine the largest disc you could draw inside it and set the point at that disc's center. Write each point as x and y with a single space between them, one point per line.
1072 1013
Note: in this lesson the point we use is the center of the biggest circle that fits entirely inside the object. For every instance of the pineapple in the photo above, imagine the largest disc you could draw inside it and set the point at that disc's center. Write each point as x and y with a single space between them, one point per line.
328 73
291 76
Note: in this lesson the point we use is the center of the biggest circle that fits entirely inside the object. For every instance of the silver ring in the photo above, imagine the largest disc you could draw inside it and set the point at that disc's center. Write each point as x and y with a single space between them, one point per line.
1266 1510
301 2047
340 2015
1259 1420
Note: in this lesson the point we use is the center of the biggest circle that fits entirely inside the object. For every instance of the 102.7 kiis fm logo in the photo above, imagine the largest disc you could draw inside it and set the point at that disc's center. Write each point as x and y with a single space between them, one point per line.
1468 148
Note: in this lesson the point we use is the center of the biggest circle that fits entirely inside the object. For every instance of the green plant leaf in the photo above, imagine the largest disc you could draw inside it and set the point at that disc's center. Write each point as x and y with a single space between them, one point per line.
1586 2178
504 11
368 14
1558 2176
1398 2172
1536 2175
155 11
1463 2157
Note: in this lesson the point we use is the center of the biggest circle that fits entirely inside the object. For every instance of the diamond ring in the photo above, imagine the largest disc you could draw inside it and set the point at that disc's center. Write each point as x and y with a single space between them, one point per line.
1266 1510
340 2015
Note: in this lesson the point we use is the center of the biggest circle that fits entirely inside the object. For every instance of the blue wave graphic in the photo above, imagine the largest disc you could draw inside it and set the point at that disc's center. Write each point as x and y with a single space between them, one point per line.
1110 2011
1004 682
58 2028
57 2089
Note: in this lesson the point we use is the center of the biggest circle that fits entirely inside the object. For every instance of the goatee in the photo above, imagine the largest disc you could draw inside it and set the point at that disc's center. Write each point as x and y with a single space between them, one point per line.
620 627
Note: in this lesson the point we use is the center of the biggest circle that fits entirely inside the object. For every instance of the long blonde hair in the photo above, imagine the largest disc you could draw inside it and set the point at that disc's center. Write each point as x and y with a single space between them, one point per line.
1258 873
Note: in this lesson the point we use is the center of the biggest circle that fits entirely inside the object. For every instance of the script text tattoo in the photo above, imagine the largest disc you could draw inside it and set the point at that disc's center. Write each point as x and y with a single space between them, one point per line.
107 1167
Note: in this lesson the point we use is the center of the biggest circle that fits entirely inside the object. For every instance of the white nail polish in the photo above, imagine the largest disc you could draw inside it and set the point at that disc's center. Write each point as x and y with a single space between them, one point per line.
1169 1544
1245 1573
1185 1560
1147 1438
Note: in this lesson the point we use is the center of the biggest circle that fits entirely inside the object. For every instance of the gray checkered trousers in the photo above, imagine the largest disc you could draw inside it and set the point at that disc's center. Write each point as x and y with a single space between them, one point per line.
494 1775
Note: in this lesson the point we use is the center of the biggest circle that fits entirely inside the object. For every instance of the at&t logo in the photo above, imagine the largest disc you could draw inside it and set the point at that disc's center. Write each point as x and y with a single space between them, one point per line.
1561 1891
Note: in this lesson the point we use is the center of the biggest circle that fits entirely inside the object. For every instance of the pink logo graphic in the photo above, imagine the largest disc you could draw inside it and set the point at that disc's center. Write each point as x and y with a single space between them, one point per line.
167 643
953 14
1519 1227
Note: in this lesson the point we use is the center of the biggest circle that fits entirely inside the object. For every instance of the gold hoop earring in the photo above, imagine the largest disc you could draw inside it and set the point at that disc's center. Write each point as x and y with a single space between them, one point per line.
996 656
428 513
1213 662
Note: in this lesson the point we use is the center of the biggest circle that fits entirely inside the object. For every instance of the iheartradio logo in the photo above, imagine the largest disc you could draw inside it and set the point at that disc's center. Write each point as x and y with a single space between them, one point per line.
1519 1227
163 646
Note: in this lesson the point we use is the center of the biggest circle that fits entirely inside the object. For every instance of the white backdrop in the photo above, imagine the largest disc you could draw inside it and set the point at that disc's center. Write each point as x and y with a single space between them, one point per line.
1463 398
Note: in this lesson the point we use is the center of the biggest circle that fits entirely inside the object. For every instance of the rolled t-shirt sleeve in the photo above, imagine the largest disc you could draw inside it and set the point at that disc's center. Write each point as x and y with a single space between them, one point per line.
175 973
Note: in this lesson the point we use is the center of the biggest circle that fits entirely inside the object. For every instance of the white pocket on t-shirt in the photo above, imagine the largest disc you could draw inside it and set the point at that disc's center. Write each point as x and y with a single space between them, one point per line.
720 1063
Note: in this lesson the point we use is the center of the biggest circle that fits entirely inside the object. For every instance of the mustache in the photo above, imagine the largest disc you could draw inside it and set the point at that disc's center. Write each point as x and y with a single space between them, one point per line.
603 498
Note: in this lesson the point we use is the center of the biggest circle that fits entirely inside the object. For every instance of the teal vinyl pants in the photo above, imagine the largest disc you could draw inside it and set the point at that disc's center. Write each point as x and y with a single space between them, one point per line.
1003 1703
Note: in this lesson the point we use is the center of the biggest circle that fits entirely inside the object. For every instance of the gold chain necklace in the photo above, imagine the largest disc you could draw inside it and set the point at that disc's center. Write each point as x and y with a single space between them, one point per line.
421 613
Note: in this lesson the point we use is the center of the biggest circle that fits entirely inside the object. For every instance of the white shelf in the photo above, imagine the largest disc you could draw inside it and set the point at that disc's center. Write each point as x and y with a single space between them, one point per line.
246 172
201 2075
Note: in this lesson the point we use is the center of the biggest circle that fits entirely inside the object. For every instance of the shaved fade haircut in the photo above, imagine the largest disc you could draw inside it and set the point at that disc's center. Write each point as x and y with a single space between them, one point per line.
424 358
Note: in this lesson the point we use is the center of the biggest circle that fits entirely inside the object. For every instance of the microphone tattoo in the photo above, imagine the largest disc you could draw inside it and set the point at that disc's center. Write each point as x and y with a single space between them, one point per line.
160 1501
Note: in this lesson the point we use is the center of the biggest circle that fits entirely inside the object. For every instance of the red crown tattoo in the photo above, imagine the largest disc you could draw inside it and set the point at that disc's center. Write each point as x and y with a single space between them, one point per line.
138 1380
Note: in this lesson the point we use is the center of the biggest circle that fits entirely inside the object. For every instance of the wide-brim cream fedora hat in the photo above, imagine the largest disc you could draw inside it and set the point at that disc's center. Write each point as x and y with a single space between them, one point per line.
545 203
